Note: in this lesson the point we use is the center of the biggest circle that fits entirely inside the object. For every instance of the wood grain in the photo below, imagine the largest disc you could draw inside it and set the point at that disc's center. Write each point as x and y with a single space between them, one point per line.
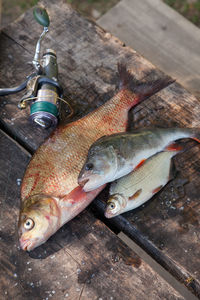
162 35
83 260
88 58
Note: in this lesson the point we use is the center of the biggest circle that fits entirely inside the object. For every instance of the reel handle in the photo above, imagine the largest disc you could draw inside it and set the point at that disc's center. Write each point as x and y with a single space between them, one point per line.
41 16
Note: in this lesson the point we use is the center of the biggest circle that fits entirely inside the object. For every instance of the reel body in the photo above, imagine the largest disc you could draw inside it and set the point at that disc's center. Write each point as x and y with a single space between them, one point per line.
43 92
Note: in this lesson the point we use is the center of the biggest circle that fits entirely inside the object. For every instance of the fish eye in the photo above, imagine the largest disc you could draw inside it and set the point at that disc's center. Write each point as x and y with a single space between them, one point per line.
112 205
29 224
89 166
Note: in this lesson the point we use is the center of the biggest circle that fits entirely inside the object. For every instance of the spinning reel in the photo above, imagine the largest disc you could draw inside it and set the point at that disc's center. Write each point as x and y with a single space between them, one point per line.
43 90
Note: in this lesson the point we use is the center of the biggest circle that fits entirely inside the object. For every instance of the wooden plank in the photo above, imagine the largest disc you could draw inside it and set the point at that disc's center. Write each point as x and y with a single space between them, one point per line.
87 58
0 11
83 260
168 226
161 34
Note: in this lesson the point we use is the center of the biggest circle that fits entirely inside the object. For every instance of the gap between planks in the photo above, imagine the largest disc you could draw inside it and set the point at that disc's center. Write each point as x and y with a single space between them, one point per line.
15 141
157 267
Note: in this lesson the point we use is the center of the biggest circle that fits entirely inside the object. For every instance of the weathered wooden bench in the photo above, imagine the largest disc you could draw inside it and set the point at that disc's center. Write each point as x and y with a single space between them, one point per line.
161 34
84 259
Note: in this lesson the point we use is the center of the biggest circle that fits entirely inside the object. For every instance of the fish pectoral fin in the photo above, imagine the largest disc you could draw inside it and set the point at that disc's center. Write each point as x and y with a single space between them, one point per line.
140 164
156 190
135 195
174 147
76 195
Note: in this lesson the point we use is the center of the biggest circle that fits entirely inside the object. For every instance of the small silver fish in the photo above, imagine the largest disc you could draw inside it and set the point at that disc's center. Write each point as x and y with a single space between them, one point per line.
114 156
140 185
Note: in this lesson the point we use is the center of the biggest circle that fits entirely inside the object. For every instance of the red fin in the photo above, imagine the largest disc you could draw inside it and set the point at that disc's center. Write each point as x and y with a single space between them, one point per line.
77 200
77 195
140 164
156 190
196 139
135 195
174 147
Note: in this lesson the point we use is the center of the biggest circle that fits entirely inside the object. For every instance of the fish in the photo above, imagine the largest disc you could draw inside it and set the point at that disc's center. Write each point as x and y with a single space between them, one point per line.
139 186
114 156
50 193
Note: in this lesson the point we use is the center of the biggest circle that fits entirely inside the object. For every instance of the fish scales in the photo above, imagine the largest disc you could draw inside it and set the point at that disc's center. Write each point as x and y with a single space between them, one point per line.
50 194
150 173
139 186
64 152
116 155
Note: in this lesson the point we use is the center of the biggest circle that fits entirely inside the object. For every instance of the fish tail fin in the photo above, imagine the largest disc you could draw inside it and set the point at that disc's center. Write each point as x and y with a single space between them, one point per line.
178 145
173 170
140 88
197 139
194 134
126 79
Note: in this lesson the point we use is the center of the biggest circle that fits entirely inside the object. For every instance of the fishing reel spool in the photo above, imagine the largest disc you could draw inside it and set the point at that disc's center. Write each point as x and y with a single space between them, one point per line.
43 90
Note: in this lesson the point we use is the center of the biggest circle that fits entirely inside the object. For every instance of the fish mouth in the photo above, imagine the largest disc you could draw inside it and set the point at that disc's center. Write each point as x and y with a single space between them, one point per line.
108 215
26 245
82 182
90 184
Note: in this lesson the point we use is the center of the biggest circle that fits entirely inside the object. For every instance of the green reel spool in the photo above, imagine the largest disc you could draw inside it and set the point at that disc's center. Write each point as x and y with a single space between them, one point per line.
44 106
